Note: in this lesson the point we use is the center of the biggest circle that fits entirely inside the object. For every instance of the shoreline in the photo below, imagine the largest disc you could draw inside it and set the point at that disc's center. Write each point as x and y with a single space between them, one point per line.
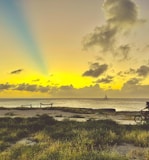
75 114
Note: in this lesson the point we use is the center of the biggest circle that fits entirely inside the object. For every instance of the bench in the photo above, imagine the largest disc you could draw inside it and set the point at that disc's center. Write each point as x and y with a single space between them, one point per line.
46 104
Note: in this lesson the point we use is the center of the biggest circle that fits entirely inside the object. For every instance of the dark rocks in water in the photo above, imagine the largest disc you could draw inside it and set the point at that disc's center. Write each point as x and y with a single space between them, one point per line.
67 109
84 110
107 110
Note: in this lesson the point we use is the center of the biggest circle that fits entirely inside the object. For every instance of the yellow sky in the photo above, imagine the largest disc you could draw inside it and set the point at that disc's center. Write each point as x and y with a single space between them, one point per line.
72 48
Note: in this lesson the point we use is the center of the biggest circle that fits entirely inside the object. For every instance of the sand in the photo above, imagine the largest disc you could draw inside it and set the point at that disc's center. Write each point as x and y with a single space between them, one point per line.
59 114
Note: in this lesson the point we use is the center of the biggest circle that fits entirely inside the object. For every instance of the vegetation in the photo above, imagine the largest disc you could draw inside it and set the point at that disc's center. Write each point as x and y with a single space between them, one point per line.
67 140
82 110
64 109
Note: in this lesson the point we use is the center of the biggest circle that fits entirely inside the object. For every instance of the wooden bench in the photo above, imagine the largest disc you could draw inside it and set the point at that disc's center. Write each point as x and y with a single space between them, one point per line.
46 104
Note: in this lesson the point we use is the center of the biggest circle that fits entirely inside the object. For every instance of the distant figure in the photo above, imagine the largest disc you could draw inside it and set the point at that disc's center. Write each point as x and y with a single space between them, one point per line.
145 111
144 115
147 105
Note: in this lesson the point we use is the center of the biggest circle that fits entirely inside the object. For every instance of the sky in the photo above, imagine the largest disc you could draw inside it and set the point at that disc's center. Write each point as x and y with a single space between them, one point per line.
74 49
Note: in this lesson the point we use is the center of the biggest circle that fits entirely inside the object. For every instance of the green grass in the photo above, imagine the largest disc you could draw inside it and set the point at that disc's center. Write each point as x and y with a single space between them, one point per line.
67 140
137 137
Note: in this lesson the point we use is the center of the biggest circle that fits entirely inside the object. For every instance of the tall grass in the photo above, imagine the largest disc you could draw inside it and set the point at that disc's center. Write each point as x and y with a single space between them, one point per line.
58 151
67 140
137 137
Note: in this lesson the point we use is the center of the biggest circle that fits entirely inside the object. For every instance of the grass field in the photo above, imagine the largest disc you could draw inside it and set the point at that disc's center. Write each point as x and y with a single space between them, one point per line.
43 138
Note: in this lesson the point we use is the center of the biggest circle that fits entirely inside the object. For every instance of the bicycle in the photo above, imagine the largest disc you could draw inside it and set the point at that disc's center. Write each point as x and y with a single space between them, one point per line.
143 116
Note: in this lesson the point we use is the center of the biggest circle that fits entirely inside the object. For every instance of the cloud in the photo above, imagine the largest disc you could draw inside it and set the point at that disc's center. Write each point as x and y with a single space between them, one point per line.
133 81
63 91
96 70
123 52
108 79
44 89
121 13
102 36
16 71
99 58
70 87
5 86
36 80
132 88
26 87
130 71
31 88
143 71
121 16
92 91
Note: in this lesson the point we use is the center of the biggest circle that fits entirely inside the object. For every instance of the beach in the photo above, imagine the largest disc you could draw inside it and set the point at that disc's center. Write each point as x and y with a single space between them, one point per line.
76 114
121 110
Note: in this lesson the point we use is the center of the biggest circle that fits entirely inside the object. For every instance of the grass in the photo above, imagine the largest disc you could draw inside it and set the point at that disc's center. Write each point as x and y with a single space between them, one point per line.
137 137
68 140
64 109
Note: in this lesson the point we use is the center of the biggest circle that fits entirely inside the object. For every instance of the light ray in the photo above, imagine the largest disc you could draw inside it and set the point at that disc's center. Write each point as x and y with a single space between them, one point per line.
16 20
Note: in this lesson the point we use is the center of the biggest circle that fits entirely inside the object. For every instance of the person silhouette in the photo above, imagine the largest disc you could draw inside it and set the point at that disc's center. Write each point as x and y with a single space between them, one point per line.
147 105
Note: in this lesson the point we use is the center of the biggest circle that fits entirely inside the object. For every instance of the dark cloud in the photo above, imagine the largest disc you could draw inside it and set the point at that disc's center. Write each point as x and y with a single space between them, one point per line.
121 74
96 70
64 91
123 52
124 74
26 87
108 79
132 88
102 36
44 89
70 87
130 71
133 81
31 88
5 86
121 16
143 71
121 13
98 58
36 80
16 71
92 91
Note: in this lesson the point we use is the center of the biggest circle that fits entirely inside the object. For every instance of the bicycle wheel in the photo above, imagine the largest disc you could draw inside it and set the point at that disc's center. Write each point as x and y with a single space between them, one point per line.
146 118
138 119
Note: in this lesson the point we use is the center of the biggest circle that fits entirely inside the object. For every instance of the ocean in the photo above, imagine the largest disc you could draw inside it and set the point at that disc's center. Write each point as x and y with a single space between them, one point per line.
120 104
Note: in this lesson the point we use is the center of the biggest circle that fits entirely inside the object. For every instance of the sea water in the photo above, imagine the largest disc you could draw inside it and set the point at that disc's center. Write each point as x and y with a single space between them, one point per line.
94 103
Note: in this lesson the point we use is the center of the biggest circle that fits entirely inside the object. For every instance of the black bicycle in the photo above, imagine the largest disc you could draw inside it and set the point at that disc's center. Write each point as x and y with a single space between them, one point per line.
143 117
